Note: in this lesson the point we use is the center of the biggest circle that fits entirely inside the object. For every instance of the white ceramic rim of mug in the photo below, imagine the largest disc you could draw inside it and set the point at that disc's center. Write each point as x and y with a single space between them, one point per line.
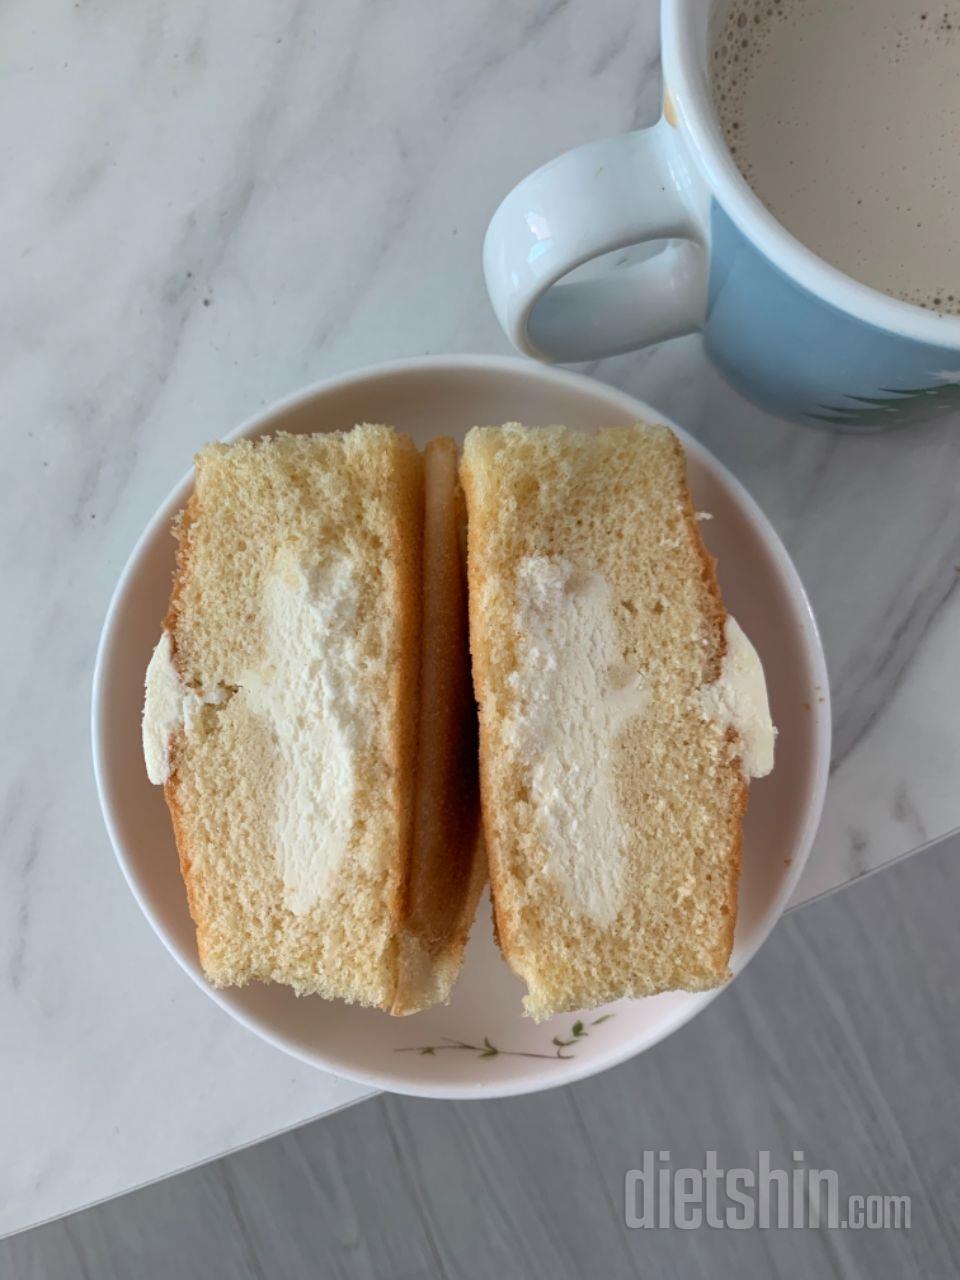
681 76
622 1051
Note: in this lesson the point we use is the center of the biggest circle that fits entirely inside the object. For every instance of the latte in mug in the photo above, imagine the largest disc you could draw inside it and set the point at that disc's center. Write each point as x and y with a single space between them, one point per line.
844 117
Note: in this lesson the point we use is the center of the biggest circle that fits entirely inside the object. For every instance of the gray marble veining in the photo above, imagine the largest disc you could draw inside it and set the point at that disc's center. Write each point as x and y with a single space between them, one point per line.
206 207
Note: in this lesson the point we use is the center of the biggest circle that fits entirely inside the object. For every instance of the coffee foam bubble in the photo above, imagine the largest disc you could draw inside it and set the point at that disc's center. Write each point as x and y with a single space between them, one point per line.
738 46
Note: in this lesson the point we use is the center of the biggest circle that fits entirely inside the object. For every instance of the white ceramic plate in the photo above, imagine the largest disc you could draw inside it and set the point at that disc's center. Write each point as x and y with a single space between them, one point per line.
449 1051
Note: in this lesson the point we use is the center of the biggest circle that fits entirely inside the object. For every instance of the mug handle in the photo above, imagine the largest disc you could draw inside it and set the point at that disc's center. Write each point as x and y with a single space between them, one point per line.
594 200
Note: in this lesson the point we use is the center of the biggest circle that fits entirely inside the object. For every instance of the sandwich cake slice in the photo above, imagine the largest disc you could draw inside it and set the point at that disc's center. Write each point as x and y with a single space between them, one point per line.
621 713
281 717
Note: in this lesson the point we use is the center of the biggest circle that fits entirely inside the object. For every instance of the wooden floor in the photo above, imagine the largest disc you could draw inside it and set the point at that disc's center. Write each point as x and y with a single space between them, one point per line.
842 1040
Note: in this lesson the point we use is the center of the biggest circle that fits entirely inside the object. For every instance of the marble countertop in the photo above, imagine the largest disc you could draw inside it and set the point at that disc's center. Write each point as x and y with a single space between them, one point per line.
208 206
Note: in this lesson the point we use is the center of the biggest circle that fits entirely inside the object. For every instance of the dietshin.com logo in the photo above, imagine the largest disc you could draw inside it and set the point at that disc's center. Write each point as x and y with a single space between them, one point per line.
740 1198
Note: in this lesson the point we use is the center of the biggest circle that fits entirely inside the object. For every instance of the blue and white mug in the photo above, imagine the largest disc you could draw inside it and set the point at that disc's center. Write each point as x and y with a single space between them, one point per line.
696 250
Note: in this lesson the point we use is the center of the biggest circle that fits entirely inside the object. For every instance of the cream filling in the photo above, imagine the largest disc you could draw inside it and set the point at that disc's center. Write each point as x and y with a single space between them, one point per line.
737 699
574 695
169 706
307 688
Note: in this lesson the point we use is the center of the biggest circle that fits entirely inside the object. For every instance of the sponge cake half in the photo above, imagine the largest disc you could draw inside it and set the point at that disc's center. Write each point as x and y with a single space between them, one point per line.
620 714
282 715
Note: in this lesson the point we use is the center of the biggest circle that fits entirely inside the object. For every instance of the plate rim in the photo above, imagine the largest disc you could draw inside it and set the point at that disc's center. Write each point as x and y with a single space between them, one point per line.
258 424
